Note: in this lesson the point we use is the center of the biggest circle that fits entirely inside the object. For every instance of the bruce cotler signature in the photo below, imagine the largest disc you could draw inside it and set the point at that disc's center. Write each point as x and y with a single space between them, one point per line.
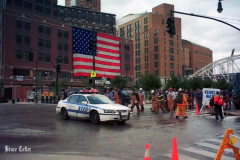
17 149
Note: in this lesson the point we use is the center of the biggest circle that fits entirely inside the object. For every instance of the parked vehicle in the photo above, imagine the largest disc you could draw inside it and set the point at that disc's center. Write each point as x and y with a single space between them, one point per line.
3 100
125 98
95 107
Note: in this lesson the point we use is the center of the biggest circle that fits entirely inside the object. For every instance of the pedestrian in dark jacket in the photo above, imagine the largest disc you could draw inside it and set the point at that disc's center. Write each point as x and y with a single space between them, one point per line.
218 103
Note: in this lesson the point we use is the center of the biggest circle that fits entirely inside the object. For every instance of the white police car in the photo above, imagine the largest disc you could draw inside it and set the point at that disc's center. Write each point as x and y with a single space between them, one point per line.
94 107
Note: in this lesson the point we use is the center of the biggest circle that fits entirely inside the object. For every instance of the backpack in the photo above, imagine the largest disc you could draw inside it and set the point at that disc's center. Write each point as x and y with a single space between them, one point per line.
211 103
220 102
179 98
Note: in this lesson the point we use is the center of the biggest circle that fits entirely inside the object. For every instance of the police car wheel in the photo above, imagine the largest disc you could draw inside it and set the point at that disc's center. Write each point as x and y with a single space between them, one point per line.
95 117
64 114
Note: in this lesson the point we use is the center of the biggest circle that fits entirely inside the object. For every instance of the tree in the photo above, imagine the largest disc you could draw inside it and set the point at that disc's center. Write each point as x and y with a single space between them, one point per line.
119 82
63 83
150 81
222 84
174 82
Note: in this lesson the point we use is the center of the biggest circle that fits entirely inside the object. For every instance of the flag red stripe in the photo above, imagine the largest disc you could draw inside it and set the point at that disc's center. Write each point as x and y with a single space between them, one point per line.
96 68
96 61
107 50
107 57
88 75
107 43
107 36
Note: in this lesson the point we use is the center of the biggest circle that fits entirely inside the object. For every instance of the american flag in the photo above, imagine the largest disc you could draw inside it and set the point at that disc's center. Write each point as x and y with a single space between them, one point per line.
107 59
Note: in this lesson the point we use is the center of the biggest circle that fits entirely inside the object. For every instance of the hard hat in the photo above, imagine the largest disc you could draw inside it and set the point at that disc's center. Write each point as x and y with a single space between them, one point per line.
152 91
140 89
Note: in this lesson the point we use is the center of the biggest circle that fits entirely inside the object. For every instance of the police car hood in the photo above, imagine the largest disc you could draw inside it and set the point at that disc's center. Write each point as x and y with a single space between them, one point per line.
112 106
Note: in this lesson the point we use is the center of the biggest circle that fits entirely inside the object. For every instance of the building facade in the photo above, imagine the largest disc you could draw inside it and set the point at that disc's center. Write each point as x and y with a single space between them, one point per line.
84 18
155 51
93 5
126 59
199 56
43 27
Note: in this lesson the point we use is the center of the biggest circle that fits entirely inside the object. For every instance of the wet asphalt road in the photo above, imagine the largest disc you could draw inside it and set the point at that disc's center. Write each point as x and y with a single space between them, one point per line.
49 137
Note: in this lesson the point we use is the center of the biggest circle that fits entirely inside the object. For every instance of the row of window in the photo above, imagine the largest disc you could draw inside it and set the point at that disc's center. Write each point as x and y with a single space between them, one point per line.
76 15
44 29
205 54
22 24
156 65
38 8
41 43
126 47
20 38
62 33
62 46
25 72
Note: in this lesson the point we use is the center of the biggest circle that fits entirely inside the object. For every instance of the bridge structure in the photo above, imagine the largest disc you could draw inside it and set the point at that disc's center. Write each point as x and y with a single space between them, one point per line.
226 67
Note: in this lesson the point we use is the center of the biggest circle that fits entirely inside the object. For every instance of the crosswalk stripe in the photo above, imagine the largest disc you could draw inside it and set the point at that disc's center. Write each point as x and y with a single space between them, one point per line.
180 156
206 153
215 140
214 146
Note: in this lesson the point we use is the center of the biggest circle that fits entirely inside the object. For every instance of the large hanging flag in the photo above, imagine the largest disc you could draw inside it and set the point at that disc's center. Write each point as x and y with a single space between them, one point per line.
107 59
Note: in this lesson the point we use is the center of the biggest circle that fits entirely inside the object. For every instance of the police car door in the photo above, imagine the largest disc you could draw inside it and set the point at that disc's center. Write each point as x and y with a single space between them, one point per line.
73 105
83 109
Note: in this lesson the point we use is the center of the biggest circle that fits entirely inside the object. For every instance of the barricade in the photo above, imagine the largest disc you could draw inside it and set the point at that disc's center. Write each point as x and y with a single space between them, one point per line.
229 141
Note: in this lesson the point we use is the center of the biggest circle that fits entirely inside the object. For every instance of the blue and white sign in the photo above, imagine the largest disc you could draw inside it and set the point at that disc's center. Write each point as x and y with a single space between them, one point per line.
208 93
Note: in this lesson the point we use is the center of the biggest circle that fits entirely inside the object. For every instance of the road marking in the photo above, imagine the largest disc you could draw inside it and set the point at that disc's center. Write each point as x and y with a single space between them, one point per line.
206 153
214 146
180 156
215 140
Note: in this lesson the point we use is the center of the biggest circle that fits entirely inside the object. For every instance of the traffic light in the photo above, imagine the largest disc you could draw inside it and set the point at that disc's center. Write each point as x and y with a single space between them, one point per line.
30 56
58 68
92 47
171 26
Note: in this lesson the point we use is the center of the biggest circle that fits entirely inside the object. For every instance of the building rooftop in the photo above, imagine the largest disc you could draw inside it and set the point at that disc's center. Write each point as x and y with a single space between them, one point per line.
195 44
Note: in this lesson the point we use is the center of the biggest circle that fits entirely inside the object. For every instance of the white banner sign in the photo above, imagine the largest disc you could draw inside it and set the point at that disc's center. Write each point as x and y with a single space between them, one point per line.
19 78
100 82
208 93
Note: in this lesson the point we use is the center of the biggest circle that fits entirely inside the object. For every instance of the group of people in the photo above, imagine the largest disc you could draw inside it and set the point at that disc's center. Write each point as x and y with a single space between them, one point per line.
168 101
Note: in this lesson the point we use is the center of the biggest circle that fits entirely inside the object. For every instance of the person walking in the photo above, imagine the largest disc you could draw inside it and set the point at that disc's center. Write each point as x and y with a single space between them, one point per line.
190 99
64 94
141 98
117 95
160 103
181 101
109 94
154 102
218 103
135 101
199 97
171 103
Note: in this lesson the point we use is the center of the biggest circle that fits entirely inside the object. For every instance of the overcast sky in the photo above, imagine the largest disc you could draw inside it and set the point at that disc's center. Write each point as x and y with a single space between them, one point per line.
220 38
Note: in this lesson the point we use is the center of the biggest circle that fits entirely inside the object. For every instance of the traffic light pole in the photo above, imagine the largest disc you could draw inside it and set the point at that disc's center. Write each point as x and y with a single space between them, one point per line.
195 15
94 54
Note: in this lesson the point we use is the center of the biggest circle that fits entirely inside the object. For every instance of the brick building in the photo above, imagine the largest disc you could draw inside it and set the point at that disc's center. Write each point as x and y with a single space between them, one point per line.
93 5
155 51
46 28
199 56
84 18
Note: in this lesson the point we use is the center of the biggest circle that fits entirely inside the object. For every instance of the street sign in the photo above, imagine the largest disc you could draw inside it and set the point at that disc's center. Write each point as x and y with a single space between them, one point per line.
93 74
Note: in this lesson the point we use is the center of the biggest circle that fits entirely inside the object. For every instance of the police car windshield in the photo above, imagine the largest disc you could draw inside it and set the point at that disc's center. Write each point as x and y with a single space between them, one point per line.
99 100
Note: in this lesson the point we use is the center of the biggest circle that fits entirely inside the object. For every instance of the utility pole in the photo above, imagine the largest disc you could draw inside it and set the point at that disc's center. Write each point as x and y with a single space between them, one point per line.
93 49
36 97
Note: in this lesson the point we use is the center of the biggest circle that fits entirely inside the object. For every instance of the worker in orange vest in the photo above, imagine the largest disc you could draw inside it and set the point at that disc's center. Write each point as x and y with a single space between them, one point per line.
135 101
181 101
141 99
154 102
117 95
